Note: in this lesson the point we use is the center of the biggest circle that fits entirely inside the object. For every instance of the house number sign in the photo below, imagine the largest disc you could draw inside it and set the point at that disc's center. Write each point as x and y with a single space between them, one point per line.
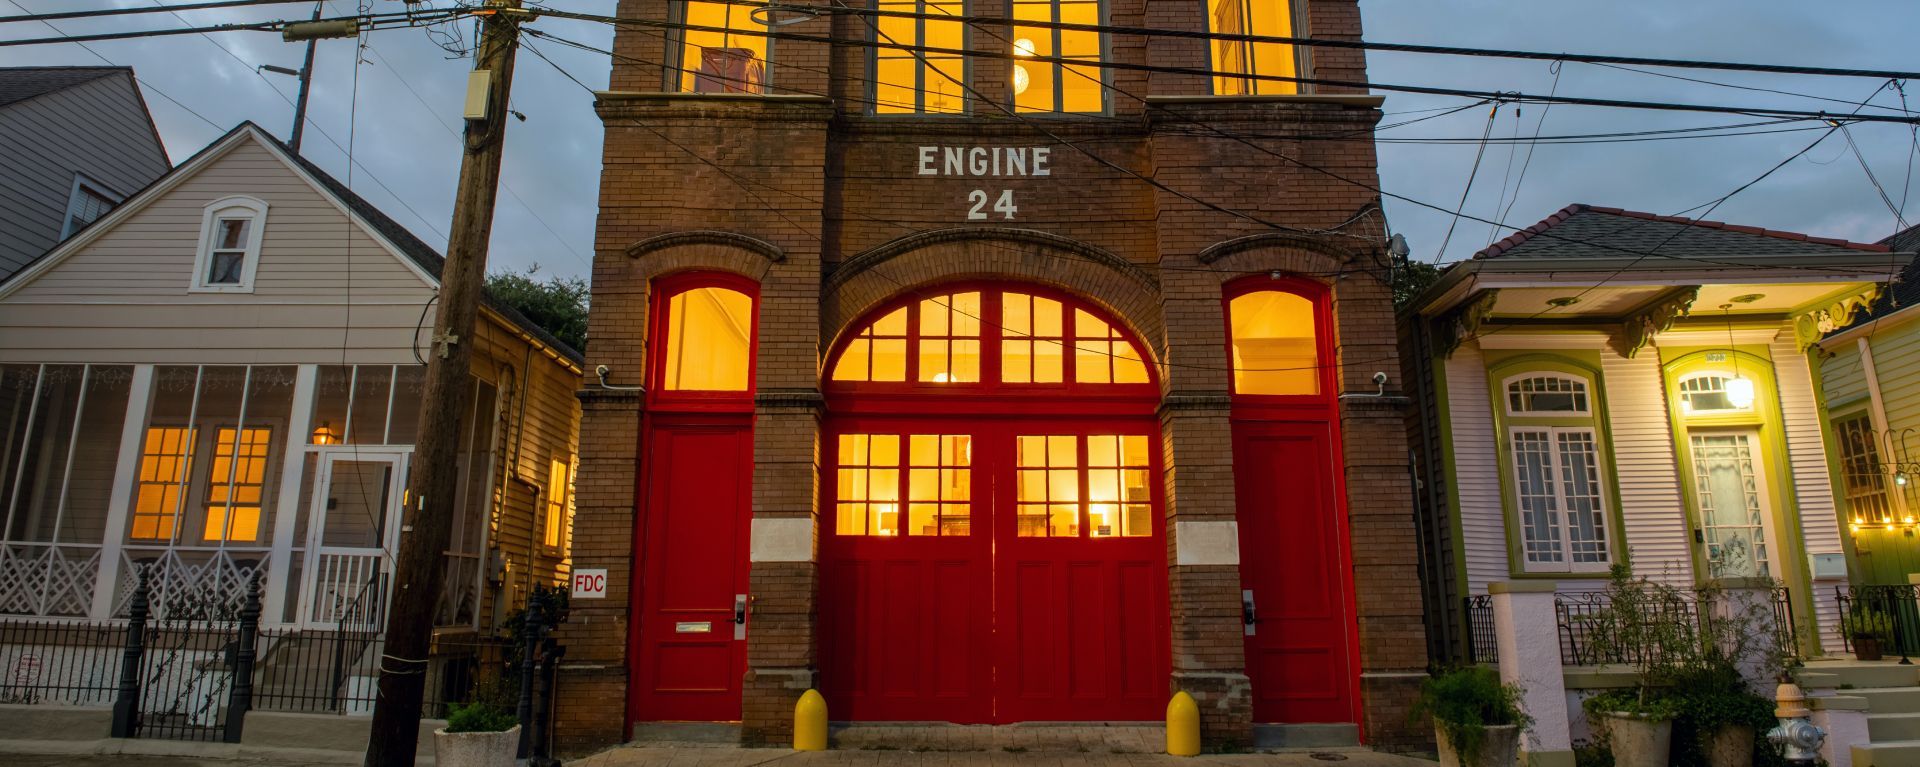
987 162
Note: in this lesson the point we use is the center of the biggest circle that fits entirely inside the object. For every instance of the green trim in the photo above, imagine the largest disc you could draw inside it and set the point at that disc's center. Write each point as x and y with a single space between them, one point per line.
1836 472
1582 363
1755 361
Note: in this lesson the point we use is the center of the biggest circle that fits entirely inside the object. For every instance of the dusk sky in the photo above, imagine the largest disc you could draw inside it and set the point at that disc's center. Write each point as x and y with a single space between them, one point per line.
402 115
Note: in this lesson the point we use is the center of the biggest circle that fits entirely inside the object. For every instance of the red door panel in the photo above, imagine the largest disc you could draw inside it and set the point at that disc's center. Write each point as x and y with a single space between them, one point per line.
694 565
1291 538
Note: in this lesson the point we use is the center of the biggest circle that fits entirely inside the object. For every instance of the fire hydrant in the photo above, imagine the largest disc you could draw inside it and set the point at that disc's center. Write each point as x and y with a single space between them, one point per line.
1798 739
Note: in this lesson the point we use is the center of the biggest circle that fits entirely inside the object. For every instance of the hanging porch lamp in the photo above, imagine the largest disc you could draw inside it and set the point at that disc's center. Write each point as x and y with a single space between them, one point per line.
1739 388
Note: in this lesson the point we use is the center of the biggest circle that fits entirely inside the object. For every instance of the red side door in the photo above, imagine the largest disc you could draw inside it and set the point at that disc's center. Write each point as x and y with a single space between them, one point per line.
1300 646
691 655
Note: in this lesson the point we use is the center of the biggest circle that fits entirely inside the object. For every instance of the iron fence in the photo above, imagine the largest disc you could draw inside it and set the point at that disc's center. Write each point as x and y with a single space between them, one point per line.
1481 646
1584 618
60 662
1888 611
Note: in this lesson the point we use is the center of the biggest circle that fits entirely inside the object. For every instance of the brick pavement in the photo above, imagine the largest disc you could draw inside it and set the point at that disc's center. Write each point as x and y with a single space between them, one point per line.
696 756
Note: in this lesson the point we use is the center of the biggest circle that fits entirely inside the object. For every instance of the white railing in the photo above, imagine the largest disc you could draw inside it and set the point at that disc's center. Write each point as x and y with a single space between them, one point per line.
46 579
207 579
338 579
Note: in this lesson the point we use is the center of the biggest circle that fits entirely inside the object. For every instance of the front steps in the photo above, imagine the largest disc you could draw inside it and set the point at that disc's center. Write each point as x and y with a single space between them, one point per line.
1892 692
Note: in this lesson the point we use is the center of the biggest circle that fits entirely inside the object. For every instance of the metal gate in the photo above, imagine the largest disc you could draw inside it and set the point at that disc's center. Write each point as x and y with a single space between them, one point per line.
186 675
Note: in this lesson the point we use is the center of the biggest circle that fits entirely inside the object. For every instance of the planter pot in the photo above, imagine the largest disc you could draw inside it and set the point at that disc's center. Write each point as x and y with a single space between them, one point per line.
1865 648
1639 741
476 749
1500 748
1730 746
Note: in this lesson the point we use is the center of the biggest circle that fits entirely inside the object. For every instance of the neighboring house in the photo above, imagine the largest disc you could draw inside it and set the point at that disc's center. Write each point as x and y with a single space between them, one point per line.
1610 387
1870 382
220 380
78 142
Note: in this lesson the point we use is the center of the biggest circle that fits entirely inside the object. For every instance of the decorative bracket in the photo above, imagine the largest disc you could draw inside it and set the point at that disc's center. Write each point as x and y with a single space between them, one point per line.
1814 324
1462 322
1638 329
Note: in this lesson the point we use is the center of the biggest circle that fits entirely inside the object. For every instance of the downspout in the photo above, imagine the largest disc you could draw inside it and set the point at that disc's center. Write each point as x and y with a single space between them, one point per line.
1877 407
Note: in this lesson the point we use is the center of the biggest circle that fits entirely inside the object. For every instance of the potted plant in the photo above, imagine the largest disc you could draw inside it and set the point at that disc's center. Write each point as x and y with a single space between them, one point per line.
481 733
1870 629
1476 719
1652 627
1718 717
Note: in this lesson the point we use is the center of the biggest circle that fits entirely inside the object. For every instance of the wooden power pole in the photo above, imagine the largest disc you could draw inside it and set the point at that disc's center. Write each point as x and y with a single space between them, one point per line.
427 522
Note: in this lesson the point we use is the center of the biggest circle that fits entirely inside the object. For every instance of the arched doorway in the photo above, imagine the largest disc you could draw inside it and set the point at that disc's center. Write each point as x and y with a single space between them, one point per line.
992 543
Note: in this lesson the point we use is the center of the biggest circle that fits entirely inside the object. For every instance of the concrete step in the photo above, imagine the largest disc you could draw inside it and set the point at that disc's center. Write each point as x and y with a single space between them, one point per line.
1899 753
1862 675
1892 727
1293 736
1890 700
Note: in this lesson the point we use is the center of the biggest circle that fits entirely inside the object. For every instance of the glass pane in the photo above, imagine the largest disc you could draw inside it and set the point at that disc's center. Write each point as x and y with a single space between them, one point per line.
225 267
890 359
358 495
1016 361
409 388
933 362
1275 346
709 340
1580 488
1539 508
372 390
853 361
331 392
1729 504
722 62
893 324
232 234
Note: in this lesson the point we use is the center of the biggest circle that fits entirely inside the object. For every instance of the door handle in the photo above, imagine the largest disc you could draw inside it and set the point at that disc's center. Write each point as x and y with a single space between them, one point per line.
1249 613
739 616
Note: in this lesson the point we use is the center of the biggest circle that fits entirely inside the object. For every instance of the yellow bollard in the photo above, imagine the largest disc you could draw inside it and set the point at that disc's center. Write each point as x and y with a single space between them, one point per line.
810 722
1183 725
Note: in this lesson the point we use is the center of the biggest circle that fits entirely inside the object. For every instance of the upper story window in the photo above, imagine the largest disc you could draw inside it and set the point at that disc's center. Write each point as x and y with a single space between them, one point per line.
1703 393
1263 18
1275 343
230 234
1053 87
990 337
85 204
705 335
734 61
1547 394
919 81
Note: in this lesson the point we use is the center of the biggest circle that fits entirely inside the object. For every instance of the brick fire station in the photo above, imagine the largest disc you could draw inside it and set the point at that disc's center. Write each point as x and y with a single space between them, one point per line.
1010 387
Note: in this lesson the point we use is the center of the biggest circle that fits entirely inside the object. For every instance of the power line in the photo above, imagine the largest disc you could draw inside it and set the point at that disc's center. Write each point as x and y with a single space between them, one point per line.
143 83
59 15
1357 85
1492 115
368 23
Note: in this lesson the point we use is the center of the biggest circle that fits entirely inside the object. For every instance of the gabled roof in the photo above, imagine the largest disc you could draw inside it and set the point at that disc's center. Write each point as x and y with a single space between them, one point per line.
421 255
21 83
1587 231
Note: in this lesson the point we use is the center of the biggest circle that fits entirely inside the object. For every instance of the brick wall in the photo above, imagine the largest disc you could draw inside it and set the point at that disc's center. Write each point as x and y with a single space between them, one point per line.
823 206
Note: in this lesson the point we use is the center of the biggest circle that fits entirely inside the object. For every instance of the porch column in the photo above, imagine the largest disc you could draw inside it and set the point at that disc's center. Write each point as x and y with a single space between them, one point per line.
783 577
1525 630
1203 549
126 469
286 508
590 711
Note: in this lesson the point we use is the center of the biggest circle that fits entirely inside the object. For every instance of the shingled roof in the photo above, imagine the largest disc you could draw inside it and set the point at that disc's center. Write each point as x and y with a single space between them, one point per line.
1587 231
21 83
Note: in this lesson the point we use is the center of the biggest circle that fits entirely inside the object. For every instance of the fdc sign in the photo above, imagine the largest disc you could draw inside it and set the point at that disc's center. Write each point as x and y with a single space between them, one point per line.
590 584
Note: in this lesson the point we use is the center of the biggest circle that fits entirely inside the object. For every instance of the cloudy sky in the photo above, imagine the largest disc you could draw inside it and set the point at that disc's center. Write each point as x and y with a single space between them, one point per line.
399 113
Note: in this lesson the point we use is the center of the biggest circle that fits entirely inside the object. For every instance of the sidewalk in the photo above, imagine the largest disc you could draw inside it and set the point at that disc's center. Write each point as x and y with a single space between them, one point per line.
694 756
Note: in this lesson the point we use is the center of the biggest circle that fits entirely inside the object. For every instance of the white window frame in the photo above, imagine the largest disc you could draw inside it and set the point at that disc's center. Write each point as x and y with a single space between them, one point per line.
223 209
1556 484
83 184
1688 408
1586 391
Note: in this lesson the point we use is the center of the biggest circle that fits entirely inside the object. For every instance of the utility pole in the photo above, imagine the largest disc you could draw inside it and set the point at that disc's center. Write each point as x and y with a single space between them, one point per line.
306 81
427 522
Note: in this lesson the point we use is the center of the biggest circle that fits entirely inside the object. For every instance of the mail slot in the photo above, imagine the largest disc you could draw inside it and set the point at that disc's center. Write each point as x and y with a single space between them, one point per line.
693 627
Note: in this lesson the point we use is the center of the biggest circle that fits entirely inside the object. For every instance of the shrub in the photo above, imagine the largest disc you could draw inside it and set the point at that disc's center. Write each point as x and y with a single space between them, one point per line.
1464 702
491 710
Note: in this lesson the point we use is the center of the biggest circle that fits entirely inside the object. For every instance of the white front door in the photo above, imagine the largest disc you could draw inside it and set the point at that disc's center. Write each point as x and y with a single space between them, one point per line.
352 538
1736 517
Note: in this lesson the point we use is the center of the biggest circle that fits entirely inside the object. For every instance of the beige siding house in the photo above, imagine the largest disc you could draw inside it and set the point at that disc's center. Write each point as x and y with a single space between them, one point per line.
218 381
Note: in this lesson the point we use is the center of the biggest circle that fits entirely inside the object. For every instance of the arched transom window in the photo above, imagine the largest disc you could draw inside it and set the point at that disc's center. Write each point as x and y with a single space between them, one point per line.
1546 394
990 337
1709 393
1276 343
706 338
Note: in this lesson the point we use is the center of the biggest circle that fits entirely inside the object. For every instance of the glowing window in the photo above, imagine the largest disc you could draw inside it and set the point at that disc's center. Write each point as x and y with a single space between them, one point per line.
1265 18
1276 346
939 484
927 83
1102 355
166 463
868 482
879 353
1103 476
734 61
1864 476
709 340
950 339
1047 490
1052 87
236 484
557 491
1033 349
1546 394
1707 393
1119 503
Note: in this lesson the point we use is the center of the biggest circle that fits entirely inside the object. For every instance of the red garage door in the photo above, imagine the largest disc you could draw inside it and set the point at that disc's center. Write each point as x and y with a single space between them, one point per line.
991 542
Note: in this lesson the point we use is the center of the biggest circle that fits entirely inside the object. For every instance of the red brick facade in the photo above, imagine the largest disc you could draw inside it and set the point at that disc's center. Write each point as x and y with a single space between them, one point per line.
819 203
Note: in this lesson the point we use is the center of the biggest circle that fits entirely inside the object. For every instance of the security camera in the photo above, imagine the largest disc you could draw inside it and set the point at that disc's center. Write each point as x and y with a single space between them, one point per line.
1380 378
